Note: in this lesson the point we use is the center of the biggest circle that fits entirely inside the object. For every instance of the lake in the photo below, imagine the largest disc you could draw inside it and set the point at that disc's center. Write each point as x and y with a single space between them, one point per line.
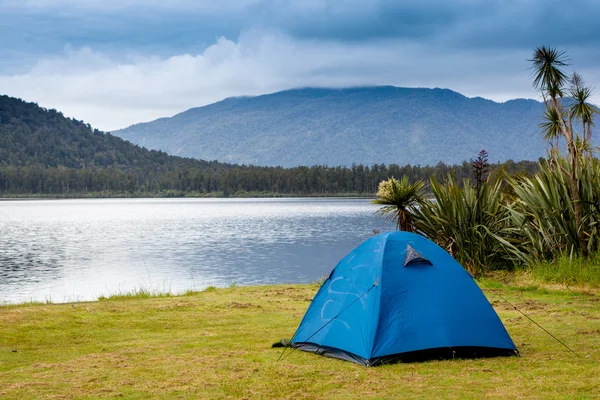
77 250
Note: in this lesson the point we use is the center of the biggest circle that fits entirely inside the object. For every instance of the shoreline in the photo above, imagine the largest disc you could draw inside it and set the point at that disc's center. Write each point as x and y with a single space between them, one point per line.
517 281
28 197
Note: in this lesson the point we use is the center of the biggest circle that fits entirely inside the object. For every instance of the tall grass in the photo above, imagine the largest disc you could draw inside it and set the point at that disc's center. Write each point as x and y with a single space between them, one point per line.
136 293
568 270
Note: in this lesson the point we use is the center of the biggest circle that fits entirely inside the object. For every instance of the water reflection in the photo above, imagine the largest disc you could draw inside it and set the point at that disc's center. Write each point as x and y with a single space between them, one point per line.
79 249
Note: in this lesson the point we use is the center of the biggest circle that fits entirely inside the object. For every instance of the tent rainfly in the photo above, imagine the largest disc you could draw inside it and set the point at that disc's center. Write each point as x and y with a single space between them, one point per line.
400 297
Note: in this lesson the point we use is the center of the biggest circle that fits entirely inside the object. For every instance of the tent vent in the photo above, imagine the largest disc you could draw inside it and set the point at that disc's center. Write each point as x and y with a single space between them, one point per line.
414 257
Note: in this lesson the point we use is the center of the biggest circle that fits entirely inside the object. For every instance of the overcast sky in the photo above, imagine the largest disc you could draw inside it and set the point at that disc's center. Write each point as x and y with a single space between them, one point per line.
113 63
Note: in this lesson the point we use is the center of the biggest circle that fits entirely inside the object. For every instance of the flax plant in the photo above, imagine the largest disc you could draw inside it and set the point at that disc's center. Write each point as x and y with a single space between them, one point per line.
543 213
473 226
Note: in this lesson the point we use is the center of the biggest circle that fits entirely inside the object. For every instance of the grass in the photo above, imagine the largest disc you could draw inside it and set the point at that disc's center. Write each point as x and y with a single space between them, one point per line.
569 271
216 344
137 293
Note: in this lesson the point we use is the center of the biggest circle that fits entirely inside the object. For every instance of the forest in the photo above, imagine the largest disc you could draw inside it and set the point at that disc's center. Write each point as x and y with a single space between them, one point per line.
43 153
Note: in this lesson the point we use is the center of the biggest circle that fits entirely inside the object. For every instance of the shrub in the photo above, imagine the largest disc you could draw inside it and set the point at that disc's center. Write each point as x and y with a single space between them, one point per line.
474 228
542 211
398 199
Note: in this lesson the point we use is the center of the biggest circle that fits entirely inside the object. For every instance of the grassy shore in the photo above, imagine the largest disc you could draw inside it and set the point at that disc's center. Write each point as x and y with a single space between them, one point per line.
216 344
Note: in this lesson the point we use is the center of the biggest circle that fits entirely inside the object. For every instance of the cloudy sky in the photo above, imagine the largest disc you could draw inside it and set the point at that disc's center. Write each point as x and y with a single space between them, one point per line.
113 63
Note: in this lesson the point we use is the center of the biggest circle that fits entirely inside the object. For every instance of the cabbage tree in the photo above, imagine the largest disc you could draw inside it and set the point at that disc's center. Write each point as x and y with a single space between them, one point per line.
549 77
399 198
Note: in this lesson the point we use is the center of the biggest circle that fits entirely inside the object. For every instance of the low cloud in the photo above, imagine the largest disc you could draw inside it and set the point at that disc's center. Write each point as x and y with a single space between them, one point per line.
115 63
114 93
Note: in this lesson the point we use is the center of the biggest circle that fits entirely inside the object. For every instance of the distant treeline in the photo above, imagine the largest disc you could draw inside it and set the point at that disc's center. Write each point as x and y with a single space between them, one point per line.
44 153
230 180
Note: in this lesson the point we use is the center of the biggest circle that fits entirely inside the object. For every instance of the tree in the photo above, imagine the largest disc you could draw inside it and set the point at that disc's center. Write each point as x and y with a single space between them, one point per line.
549 77
581 109
398 197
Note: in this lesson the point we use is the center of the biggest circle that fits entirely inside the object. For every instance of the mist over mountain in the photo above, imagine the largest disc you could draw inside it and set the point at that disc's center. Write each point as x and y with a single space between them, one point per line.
366 125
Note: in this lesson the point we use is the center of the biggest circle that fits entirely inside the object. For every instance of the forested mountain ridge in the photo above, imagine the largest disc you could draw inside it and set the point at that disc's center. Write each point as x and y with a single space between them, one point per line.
44 153
32 135
366 125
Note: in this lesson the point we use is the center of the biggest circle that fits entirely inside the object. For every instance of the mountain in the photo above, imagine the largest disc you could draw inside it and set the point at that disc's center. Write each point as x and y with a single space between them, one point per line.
42 153
366 125
32 135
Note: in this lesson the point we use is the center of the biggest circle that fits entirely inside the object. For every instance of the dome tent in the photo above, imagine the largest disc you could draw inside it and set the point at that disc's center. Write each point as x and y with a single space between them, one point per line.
400 297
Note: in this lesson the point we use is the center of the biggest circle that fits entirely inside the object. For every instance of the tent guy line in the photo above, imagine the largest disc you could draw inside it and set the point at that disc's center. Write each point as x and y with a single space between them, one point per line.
530 319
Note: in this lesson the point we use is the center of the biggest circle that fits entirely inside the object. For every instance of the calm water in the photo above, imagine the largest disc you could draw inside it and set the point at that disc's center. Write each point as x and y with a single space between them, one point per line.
73 250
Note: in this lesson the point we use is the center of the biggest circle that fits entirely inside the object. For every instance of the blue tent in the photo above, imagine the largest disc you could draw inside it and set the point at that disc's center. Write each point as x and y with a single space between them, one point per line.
400 297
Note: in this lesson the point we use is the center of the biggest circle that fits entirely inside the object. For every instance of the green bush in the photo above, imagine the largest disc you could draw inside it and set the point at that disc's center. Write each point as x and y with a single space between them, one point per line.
398 199
514 221
542 212
473 227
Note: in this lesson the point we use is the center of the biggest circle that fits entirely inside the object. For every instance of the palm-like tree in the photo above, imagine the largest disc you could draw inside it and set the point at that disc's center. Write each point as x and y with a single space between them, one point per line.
551 127
581 109
398 198
547 73
551 80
